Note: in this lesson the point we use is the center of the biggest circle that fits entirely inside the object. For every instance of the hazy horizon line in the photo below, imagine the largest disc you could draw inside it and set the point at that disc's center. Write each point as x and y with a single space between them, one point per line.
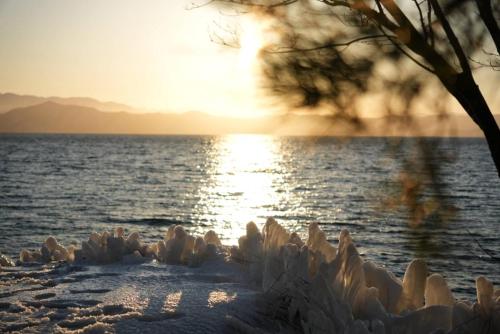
132 109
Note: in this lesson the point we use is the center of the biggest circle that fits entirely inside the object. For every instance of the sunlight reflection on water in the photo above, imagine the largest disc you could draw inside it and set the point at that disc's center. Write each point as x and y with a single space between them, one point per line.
69 185
245 180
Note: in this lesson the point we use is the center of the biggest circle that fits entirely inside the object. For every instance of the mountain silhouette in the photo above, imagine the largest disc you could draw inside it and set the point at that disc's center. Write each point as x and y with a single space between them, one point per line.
51 117
9 101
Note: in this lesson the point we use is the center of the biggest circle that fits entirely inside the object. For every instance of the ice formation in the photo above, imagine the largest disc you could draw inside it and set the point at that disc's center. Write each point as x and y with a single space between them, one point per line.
178 247
51 250
5 261
310 284
332 290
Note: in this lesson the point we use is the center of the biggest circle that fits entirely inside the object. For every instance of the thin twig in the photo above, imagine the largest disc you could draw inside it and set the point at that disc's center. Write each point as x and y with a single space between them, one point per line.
486 251
329 45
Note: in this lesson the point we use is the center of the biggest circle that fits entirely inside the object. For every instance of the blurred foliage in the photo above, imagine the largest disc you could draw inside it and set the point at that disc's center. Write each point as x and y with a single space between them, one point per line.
395 59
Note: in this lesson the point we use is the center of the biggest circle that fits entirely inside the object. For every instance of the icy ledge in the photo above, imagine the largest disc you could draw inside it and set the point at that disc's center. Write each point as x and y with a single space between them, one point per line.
311 286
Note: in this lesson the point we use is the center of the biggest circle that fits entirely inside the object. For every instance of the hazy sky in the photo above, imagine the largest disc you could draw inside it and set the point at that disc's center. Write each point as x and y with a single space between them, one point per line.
153 54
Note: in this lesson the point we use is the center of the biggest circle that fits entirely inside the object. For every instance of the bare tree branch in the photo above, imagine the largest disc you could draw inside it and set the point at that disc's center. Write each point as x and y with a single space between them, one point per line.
333 80
429 23
422 21
409 36
330 45
455 43
256 4
407 54
486 13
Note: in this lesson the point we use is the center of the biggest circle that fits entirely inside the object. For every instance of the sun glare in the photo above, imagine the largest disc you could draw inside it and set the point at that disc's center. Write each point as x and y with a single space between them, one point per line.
246 172
251 42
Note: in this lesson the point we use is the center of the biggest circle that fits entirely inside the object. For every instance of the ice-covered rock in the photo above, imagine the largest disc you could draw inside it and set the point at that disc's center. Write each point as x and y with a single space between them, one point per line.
332 291
389 287
199 252
134 258
274 236
250 252
106 247
170 233
6 261
50 250
461 316
26 256
313 285
200 246
119 232
432 319
179 247
485 300
133 243
320 250
295 239
116 246
100 248
317 242
414 281
175 246
161 251
437 291
212 238
188 249
250 245
350 282
57 251
149 251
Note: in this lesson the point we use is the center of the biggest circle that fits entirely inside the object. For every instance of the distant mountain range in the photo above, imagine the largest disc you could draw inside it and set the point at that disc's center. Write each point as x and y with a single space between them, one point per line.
50 117
85 115
9 101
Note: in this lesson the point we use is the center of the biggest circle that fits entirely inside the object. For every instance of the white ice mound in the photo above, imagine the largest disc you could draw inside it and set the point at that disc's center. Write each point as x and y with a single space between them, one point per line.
51 250
322 289
181 248
414 284
310 285
437 291
178 248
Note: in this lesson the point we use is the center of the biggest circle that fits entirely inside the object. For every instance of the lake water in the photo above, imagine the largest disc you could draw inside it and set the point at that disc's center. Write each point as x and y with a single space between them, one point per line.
70 185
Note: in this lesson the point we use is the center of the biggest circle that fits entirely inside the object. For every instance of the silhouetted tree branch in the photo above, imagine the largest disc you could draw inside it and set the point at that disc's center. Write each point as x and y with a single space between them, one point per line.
486 13
306 63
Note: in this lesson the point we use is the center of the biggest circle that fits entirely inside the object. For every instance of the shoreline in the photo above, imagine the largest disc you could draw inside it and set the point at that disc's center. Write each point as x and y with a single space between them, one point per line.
350 294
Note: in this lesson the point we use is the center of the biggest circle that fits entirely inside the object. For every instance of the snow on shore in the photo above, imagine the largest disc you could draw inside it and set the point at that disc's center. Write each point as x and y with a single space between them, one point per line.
271 281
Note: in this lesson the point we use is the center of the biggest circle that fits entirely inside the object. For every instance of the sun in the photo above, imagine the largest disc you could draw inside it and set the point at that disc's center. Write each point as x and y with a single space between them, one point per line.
251 42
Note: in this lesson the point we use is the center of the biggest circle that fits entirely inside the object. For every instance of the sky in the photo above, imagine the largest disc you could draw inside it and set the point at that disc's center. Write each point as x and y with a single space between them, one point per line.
155 56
